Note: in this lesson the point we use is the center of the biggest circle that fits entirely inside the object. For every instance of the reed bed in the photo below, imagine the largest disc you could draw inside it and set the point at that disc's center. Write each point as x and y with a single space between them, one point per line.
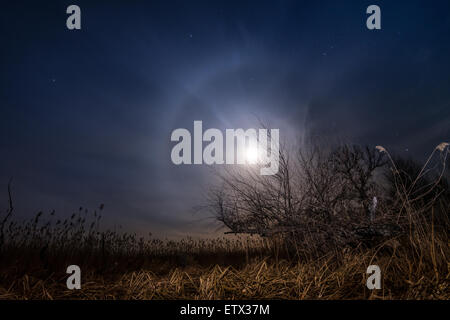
414 260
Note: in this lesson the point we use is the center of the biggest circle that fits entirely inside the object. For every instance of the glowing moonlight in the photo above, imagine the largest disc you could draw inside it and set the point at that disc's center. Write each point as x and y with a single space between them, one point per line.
251 147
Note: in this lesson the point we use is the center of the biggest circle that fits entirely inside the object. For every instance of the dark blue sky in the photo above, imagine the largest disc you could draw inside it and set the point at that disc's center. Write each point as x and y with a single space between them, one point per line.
86 116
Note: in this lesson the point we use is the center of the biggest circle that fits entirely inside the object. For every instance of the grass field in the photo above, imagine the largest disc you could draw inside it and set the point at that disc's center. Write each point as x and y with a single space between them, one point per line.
325 257
121 266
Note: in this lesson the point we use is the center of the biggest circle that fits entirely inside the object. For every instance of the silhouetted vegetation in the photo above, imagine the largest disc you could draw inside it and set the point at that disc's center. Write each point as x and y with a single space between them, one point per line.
314 228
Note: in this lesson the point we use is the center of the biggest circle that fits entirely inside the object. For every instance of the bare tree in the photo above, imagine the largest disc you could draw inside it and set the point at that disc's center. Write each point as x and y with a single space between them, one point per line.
316 193
325 198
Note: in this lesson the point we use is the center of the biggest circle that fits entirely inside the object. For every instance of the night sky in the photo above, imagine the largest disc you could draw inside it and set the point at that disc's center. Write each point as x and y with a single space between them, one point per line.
86 115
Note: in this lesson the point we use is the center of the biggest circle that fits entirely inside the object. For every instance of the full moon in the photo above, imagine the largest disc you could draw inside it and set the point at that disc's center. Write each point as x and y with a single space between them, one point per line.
251 155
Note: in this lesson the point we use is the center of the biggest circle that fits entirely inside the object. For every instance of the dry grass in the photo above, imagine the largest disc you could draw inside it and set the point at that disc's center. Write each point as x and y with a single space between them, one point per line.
423 275
414 263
